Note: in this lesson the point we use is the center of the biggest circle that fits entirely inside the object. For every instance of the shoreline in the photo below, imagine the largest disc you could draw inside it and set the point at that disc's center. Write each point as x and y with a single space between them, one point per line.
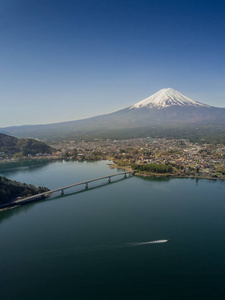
157 175
14 204
113 165
13 160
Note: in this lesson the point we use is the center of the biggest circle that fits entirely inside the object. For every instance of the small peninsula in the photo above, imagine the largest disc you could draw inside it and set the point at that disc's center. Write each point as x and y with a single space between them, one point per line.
11 190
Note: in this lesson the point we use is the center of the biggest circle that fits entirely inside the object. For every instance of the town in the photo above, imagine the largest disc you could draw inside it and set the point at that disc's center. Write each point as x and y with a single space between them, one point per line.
184 158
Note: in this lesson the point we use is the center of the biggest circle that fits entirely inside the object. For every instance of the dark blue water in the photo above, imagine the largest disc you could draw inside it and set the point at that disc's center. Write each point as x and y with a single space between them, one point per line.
80 246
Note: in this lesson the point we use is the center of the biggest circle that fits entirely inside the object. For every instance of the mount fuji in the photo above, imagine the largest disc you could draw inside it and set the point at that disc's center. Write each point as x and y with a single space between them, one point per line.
165 98
167 107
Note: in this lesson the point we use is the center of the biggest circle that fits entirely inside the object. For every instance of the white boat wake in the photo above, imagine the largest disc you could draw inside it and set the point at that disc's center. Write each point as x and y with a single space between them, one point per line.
150 242
64 251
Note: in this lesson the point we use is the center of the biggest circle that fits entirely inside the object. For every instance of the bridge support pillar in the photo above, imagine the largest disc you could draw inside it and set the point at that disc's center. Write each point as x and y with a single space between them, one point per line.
86 186
125 175
109 180
62 192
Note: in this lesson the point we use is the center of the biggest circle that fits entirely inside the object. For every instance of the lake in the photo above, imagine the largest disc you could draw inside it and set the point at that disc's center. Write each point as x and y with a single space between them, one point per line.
93 244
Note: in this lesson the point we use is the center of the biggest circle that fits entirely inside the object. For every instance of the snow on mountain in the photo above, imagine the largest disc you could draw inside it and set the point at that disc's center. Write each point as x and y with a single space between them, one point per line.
165 98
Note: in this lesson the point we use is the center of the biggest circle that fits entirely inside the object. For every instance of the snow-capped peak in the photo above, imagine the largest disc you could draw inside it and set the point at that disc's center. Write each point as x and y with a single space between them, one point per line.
165 98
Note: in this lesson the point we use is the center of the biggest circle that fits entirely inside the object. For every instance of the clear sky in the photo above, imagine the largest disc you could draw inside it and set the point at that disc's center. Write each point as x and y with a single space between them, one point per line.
64 60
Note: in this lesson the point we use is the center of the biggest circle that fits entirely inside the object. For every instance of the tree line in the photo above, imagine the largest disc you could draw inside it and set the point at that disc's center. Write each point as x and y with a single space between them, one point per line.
154 168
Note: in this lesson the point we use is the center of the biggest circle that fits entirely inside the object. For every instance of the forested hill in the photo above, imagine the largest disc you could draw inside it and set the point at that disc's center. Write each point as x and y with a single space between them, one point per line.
12 145
10 190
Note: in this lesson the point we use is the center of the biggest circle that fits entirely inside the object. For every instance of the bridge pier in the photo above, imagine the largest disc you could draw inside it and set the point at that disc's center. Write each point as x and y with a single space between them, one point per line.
109 180
125 175
86 186
62 192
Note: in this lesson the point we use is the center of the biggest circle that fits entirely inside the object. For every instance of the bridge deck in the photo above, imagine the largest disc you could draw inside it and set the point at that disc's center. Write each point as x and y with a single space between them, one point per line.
33 197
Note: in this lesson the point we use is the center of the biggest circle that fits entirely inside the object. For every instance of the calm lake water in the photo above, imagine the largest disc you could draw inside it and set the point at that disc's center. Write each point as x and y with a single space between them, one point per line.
87 244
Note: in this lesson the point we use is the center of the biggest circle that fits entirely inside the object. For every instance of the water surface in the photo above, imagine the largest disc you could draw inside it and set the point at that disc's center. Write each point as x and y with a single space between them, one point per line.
80 246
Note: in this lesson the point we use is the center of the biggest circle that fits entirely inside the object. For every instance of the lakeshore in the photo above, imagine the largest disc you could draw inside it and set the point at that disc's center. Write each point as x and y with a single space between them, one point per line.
187 159
157 175
183 158
13 203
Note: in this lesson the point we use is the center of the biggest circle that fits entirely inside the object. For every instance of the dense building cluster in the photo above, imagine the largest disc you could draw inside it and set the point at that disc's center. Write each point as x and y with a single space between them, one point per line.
179 156
185 157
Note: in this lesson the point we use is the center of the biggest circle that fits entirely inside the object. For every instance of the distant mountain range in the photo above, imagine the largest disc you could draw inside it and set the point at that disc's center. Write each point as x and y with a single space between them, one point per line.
167 107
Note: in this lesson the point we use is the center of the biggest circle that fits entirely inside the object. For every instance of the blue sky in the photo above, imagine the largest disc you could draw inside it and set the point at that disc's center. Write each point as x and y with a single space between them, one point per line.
64 60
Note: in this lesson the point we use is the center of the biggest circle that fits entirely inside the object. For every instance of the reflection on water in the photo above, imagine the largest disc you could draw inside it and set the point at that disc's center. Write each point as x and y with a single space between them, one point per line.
156 178
28 165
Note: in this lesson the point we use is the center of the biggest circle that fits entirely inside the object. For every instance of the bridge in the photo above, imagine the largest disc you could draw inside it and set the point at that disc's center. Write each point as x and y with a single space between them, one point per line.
61 190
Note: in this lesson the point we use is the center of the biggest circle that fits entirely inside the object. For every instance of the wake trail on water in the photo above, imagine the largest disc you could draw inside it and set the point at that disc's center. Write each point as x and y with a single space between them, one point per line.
41 254
150 242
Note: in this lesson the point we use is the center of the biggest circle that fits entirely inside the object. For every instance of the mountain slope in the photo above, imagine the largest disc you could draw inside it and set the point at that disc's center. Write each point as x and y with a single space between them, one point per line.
167 106
11 145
